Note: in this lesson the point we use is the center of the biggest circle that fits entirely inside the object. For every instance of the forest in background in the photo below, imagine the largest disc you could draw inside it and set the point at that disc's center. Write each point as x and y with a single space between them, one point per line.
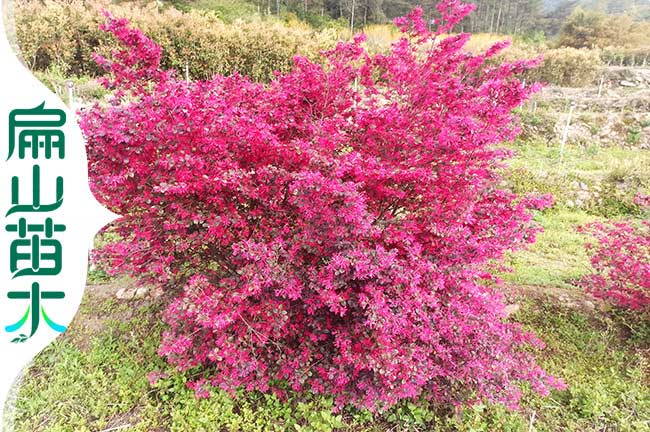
528 17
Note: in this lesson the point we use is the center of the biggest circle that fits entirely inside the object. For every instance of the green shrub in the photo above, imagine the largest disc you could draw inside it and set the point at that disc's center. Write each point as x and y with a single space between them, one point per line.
619 56
618 189
568 67
523 181
63 36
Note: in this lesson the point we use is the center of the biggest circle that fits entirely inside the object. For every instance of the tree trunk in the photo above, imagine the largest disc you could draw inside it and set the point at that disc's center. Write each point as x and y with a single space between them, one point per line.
365 14
499 18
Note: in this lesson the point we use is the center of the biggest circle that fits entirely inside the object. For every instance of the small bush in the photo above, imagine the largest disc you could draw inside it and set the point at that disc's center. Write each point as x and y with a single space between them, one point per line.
619 191
523 181
621 260
568 67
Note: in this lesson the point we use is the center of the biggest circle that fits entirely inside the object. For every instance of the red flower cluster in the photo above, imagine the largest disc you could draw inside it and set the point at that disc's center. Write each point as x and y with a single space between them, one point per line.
621 260
330 230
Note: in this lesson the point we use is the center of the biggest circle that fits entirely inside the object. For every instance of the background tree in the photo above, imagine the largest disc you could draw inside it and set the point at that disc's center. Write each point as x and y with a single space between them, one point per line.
592 29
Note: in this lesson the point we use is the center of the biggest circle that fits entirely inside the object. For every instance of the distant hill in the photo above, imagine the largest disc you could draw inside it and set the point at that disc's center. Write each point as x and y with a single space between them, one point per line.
637 8
551 5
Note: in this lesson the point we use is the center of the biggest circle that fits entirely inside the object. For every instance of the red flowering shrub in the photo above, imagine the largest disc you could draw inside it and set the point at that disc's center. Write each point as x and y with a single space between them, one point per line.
642 200
621 260
330 230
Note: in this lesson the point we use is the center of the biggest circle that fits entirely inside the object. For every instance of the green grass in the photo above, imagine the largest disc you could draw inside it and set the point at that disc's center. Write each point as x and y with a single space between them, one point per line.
558 257
591 163
86 388
604 362
102 385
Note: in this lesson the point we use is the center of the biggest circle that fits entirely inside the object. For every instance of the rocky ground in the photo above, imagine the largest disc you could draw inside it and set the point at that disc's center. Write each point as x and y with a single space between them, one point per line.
614 113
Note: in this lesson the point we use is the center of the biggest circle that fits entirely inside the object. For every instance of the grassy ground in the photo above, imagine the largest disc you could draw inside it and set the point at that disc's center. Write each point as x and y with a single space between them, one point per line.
94 377
558 257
